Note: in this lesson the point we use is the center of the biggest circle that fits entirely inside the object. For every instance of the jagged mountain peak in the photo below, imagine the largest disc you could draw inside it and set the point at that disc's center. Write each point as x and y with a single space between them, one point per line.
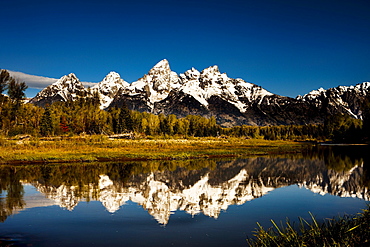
156 85
311 95
69 82
72 75
162 63
341 99
113 75
69 79
69 76
108 88
111 80
211 70
361 88
191 74
162 67
68 87
212 75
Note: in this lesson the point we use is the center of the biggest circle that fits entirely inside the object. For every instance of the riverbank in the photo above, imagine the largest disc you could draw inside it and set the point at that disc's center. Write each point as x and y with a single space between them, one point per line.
101 148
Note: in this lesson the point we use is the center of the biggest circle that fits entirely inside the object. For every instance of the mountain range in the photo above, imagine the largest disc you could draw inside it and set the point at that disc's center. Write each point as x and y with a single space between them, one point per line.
209 93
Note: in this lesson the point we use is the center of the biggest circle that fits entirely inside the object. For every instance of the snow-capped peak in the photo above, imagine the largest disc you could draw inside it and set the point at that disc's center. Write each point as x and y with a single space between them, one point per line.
112 76
363 86
318 91
212 75
109 87
161 65
72 75
68 80
66 88
313 94
157 84
189 75
211 82
343 99
112 80
360 88
211 70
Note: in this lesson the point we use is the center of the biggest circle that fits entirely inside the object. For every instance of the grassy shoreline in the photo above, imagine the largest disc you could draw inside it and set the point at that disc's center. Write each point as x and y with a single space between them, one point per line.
100 148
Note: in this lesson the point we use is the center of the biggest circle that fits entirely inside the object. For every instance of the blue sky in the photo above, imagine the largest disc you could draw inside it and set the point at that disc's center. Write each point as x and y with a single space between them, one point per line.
288 47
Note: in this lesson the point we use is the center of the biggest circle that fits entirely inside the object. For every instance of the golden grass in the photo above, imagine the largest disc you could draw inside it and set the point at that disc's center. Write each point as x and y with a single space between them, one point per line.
95 148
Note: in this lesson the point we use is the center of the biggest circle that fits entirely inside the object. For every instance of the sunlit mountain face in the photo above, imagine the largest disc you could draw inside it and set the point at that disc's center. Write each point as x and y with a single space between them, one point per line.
205 187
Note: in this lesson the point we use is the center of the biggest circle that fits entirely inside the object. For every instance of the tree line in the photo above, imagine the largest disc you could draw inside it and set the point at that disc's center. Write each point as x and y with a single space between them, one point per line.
85 116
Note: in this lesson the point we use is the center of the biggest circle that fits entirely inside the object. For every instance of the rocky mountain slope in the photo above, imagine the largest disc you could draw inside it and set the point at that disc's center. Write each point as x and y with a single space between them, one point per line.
341 99
209 93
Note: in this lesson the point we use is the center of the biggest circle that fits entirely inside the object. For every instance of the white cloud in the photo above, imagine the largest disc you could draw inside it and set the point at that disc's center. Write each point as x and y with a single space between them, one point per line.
33 81
88 84
39 82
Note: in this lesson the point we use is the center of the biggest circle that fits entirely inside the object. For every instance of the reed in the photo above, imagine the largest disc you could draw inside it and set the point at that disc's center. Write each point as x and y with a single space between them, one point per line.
341 231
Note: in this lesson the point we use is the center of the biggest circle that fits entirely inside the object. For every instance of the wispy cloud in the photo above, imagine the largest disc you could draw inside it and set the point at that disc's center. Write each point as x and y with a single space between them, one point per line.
33 81
39 82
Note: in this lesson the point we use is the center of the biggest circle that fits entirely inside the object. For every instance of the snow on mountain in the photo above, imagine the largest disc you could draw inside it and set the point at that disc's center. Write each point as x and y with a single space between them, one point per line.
360 88
108 88
210 82
69 87
66 88
207 93
155 85
343 99
160 81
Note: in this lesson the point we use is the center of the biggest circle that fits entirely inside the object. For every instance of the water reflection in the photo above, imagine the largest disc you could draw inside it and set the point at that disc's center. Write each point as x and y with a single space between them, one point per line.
193 186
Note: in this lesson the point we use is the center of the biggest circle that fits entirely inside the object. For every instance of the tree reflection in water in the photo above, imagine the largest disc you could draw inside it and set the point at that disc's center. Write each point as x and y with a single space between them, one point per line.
195 186
10 182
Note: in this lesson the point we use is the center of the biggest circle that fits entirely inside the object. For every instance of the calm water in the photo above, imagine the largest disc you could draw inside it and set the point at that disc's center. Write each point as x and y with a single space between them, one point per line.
177 203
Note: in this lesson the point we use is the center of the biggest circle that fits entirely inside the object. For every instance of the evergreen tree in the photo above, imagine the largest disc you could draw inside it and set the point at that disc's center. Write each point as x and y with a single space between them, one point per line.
16 90
4 79
46 124
125 119
16 94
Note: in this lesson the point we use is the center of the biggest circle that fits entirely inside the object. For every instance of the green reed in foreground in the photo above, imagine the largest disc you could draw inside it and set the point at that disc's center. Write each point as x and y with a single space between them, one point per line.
343 231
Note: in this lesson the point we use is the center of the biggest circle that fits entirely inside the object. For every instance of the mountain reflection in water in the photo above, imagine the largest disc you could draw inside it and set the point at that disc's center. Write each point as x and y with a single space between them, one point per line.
194 186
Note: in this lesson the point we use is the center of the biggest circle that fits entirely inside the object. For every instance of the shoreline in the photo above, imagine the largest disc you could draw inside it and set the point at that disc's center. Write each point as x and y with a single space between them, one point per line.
92 149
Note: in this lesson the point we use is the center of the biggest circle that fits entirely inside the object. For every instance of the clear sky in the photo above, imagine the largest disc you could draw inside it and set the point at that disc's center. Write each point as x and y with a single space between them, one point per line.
289 47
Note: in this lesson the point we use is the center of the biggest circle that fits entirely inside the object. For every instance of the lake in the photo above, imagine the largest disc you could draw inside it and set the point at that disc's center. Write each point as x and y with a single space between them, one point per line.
205 202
